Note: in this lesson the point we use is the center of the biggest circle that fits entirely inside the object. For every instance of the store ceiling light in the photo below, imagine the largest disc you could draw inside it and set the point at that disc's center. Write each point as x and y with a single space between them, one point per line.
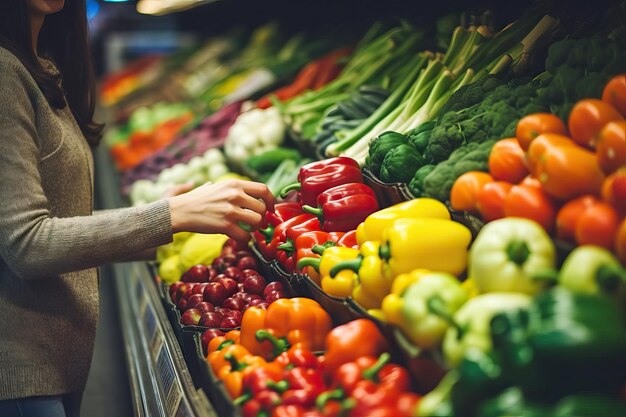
161 7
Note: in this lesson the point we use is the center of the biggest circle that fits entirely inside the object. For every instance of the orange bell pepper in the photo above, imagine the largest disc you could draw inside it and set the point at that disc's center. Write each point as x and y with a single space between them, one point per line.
217 358
297 320
216 342
233 372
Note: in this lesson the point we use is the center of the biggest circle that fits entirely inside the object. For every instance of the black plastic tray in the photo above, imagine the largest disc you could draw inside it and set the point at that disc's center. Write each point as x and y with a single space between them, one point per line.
208 381
387 194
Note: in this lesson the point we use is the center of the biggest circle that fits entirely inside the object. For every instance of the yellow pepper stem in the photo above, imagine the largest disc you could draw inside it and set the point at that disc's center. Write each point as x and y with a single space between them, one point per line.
350 264
312 262
319 249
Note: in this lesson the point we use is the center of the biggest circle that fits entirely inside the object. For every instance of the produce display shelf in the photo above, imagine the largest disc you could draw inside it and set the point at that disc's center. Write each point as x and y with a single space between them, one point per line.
157 368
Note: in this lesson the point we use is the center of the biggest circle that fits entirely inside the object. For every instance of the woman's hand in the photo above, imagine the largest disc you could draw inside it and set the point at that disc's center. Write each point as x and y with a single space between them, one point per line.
219 207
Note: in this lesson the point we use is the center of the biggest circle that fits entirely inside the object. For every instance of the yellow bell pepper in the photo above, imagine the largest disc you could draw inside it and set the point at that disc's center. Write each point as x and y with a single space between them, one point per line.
340 285
375 224
377 313
435 244
364 298
392 303
470 288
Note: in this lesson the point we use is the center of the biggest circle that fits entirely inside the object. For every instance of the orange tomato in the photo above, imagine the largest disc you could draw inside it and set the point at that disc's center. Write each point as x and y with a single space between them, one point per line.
614 190
597 225
531 181
587 118
569 213
491 200
530 203
620 242
507 161
614 93
566 172
533 125
611 146
539 146
464 192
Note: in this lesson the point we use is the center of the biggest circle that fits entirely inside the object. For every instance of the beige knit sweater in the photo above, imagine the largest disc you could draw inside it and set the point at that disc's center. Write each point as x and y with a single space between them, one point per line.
50 243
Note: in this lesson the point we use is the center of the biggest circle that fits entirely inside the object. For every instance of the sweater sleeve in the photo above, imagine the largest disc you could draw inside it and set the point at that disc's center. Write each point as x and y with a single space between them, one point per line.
33 243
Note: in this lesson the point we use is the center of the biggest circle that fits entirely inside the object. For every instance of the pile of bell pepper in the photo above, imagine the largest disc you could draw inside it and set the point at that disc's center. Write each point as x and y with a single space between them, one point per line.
417 234
335 187
567 175
287 361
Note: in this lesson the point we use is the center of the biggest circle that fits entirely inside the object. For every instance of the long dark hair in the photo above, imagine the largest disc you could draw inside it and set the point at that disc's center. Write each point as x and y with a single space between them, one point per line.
63 39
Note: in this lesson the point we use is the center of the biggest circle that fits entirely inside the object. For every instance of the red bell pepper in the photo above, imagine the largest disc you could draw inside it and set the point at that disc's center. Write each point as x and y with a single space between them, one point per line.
348 240
289 411
380 371
316 177
349 341
280 231
262 238
304 248
298 357
286 252
342 208
304 386
283 211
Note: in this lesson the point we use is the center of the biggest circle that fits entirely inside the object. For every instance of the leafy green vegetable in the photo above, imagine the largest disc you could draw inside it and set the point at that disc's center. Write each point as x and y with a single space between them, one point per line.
416 186
400 163
380 147
471 157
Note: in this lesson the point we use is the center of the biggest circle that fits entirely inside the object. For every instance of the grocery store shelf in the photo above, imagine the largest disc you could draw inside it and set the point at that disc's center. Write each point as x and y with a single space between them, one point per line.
159 377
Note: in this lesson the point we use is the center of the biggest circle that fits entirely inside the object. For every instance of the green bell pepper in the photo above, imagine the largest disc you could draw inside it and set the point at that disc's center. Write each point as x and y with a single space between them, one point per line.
508 253
471 323
592 269
421 326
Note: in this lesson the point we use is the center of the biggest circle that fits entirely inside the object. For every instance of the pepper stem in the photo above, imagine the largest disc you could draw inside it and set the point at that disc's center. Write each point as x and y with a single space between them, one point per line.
244 226
549 276
280 386
310 261
337 394
437 306
372 372
384 251
279 345
242 399
609 277
285 190
268 233
235 364
518 252
288 247
316 211
351 264
225 343
319 249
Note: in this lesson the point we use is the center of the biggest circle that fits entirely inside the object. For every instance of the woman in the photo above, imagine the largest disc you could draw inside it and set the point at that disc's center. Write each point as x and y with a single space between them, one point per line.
50 242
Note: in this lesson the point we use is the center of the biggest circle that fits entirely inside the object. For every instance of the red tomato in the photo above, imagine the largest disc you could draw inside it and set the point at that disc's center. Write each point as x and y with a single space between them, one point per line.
491 200
568 216
464 192
611 146
620 242
598 226
614 190
507 161
614 93
533 125
587 118
530 203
